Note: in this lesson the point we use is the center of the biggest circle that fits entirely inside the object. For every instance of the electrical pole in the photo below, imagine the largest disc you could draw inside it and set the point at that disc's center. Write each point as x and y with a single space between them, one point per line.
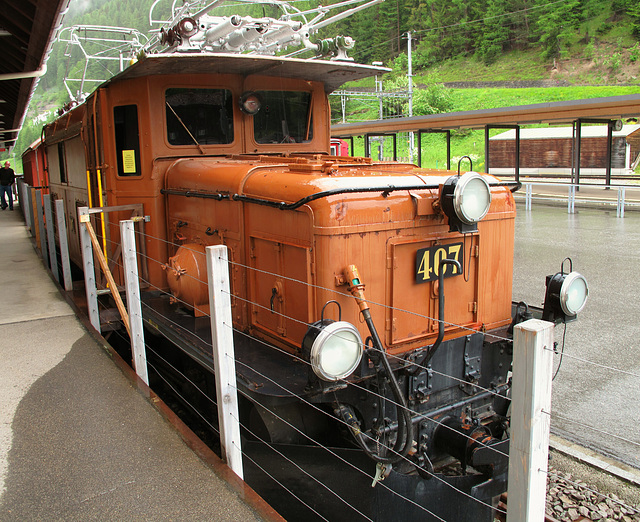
410 75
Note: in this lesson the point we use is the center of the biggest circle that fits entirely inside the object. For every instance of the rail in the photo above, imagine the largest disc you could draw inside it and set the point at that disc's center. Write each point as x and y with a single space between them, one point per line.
586 193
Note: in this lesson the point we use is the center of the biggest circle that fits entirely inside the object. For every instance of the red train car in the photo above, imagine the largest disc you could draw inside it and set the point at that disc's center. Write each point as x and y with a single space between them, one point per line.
33 166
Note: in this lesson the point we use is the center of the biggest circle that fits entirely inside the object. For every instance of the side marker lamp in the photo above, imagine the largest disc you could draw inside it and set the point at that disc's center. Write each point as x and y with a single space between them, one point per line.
566 295
250 103
465 200
334 349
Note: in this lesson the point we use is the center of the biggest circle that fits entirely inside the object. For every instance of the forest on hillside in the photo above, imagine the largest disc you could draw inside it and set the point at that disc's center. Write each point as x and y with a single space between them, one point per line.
441 29
483 31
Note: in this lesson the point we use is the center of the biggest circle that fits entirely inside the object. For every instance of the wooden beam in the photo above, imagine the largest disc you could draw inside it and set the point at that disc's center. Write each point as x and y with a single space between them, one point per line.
105 268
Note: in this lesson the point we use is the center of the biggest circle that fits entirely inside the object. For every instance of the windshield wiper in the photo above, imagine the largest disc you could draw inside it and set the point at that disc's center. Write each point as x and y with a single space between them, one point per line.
185 128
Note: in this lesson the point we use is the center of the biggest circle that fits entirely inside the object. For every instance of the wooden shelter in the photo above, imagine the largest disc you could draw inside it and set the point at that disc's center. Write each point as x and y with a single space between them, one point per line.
551 150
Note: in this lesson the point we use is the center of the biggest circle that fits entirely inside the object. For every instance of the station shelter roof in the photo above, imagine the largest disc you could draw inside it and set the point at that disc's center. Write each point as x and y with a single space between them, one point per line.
591 131
27 31
612 107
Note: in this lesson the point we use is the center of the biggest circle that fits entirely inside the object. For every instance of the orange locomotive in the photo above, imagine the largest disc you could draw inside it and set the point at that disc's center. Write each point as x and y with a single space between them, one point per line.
342 262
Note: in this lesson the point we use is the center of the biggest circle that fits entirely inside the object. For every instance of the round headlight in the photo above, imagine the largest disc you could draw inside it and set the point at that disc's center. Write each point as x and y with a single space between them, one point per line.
471 198
573 293
335 351
250 103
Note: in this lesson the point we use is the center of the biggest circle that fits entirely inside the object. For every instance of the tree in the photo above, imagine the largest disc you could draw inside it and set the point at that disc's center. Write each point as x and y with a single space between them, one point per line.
496 32
556 24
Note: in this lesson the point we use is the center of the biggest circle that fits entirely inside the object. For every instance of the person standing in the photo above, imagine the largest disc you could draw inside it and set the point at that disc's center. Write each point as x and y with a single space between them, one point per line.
7 178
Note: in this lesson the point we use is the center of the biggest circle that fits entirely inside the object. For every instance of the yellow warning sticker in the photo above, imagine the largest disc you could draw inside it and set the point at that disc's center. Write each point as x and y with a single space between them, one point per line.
129 161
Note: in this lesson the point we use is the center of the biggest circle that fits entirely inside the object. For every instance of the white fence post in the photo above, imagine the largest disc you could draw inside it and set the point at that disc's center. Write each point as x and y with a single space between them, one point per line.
620 207
23 189
571 204
223 356
89 269
132 284
53 258
43 232
64 246
530 420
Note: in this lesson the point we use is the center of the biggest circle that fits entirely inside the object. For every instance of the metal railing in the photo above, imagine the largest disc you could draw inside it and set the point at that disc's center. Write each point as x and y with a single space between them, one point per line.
573 194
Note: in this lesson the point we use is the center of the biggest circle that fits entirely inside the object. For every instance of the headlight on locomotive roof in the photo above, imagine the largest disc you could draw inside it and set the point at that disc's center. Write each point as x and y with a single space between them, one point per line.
250 103
465 200
565 297
334 349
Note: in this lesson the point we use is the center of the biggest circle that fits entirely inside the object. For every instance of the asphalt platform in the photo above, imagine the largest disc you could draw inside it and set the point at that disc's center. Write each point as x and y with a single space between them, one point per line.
80 438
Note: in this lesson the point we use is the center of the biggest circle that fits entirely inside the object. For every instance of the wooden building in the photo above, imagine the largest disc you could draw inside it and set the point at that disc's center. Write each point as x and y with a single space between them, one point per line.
550 150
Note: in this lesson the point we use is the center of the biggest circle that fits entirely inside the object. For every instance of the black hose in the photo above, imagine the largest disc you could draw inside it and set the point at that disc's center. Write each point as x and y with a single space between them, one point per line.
434 347
404 438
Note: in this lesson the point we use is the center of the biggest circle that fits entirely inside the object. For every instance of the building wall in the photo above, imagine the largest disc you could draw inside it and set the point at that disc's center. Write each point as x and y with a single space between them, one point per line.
557 153
633 140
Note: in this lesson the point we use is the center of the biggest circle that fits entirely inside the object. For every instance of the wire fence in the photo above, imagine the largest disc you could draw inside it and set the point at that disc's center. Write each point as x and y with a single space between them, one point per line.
383 442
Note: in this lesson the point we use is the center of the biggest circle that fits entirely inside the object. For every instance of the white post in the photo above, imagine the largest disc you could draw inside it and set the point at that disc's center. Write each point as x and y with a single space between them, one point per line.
530 420
410 76
64 246
572 199
132 284
528 196
89 269
43 232
620 206
23 189
223 356
53 259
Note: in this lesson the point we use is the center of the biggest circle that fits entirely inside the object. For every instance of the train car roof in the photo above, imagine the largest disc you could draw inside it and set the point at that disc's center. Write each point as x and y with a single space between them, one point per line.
332 73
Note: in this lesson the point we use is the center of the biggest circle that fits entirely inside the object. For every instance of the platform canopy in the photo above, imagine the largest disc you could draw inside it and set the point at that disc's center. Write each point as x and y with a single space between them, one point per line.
613 107
27 31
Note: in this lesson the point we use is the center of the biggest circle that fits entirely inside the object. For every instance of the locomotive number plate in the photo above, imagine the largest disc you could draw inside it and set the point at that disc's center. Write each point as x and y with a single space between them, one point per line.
428 261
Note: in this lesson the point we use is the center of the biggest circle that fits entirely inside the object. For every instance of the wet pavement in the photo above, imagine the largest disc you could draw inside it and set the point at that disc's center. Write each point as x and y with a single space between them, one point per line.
594 405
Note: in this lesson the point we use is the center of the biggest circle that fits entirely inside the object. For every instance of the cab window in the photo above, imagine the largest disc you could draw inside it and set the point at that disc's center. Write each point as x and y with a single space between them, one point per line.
125 119
199 116
284 117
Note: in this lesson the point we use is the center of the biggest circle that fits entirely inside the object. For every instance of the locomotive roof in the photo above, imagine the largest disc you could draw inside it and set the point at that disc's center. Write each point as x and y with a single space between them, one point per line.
332 73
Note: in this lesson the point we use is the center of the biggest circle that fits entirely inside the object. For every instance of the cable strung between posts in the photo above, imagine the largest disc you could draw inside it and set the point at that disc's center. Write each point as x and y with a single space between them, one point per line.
398 404
384 398
388 448
597 364
558 416
411 424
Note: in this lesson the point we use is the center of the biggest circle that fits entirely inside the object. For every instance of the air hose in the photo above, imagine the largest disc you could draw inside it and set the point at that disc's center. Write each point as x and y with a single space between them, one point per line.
404 439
